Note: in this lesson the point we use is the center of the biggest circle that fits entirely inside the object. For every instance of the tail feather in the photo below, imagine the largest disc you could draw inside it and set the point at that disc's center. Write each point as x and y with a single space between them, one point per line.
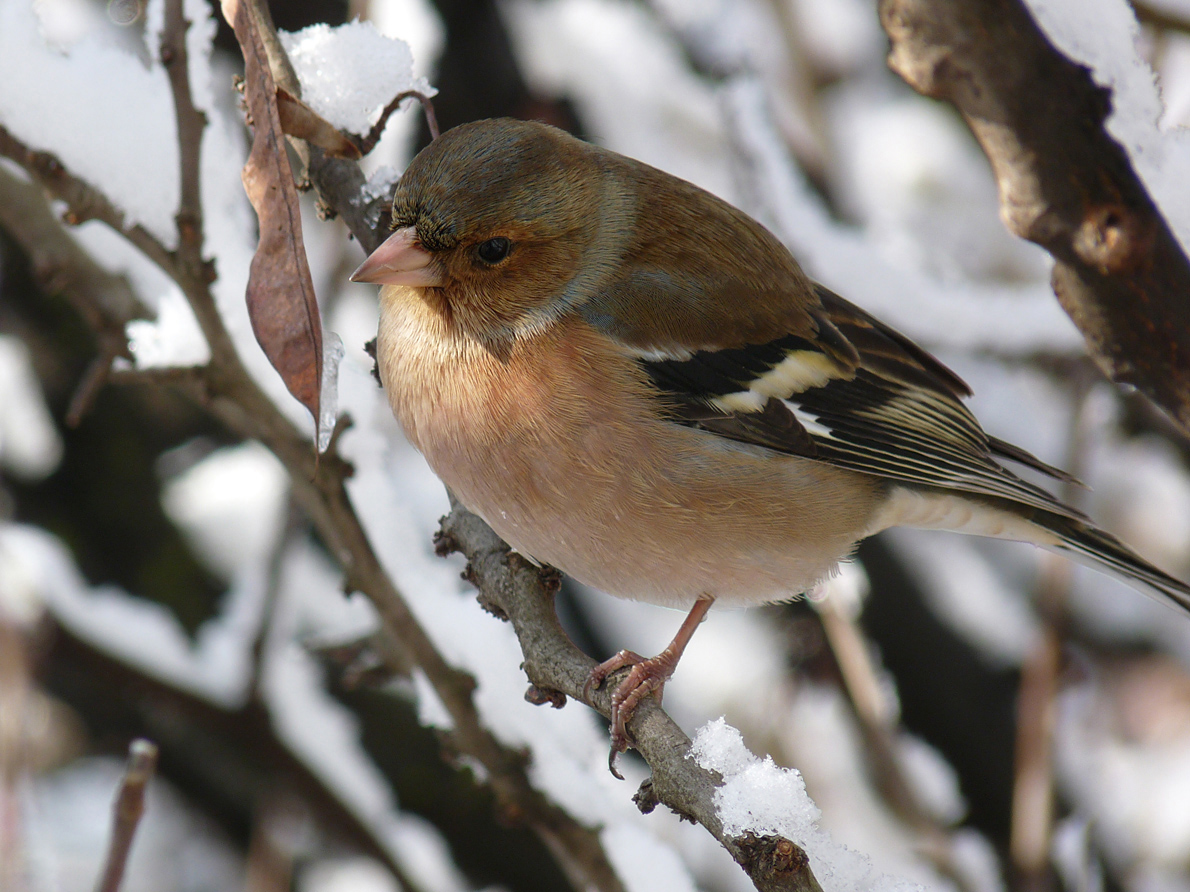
1099 549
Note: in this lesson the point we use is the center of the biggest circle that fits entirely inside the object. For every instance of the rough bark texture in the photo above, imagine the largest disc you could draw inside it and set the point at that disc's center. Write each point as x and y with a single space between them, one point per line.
1064 182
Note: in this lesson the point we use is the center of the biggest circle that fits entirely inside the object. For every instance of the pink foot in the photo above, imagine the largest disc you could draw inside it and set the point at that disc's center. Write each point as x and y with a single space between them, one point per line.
647 676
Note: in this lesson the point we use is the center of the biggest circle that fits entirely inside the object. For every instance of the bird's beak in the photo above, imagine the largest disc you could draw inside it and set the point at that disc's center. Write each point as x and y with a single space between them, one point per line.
400 260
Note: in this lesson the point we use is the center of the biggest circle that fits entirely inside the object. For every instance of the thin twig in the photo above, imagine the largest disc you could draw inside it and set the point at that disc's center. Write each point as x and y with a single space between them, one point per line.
369 142
194 276
1033 770
878 730
84 202
190 123
127 812
97 374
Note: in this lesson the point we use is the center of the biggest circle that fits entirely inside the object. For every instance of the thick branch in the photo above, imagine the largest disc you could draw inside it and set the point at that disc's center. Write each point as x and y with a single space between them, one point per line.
1064 182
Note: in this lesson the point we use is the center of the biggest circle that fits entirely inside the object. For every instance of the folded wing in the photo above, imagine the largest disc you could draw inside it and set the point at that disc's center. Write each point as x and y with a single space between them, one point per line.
858 395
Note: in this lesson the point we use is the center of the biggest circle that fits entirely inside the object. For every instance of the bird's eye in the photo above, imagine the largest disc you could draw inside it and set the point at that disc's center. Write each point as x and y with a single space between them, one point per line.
494 250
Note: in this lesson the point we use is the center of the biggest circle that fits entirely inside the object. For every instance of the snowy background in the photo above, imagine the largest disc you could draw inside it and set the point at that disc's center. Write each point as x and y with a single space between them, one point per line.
155 578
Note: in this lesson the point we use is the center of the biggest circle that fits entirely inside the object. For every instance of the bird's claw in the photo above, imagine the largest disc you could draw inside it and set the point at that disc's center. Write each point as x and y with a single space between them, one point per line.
600 673
647 676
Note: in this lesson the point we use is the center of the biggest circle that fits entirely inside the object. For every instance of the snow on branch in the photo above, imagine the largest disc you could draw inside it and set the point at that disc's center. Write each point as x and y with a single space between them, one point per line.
1065 182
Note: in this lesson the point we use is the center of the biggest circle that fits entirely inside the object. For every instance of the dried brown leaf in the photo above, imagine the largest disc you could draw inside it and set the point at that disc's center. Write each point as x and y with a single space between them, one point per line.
281 301
302 122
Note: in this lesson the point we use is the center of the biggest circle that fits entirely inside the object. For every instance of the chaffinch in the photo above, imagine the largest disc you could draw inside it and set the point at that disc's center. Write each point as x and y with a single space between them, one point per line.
633 381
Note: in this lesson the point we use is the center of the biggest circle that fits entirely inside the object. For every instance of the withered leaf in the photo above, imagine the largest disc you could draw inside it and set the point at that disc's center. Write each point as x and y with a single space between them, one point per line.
301 121
280 296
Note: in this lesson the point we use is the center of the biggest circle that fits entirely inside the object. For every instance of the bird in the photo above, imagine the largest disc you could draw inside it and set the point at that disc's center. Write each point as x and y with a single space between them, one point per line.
635 382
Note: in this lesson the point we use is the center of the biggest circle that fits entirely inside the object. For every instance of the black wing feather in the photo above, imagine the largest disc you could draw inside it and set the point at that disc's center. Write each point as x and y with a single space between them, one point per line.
884 407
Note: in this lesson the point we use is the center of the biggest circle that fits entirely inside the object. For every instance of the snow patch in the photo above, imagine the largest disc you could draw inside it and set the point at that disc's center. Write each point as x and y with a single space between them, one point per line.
759 796
349 73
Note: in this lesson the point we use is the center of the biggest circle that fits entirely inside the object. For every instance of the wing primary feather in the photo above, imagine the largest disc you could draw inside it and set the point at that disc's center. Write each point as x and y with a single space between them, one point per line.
860 396
1023 457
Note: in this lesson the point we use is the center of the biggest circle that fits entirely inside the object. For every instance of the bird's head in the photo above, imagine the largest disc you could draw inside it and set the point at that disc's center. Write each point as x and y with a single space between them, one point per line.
505 223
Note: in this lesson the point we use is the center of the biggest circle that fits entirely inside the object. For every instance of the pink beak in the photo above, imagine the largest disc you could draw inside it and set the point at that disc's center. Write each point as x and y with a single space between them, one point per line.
400 260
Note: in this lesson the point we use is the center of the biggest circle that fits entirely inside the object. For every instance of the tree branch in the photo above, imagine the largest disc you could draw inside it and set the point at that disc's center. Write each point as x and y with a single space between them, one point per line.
1064 182
83 201
1033 805
523 593
194 275
59 265
127 812
1165 19
878 730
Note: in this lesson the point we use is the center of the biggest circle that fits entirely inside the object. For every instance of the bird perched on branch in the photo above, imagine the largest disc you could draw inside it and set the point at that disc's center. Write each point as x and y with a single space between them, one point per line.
635 382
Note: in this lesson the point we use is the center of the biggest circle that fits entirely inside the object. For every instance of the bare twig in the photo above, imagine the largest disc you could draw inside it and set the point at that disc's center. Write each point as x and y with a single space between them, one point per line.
84 202
1033 770
191 123
94 378
127 812
59 265
369 142
1033 782
878 730
1064 182
192 274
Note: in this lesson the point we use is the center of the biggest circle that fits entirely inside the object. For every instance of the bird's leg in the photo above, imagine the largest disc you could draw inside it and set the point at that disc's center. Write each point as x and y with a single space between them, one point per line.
647 676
